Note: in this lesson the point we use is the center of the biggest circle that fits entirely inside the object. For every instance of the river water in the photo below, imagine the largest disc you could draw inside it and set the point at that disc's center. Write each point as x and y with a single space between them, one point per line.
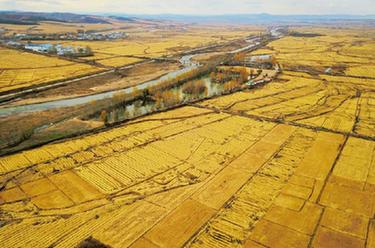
186 61
139 108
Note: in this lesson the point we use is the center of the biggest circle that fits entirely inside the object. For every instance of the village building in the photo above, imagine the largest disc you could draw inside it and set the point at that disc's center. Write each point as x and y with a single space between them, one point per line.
40 48
260 61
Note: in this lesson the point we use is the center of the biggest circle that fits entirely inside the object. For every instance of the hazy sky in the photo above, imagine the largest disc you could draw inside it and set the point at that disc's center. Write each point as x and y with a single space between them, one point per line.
212 7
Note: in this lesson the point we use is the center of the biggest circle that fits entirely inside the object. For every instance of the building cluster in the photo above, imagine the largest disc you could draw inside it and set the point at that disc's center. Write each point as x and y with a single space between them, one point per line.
53 49
93 36
261 61
277 32
80 35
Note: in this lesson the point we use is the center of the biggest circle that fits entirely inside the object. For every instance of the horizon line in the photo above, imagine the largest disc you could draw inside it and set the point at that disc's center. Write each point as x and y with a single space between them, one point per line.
179 14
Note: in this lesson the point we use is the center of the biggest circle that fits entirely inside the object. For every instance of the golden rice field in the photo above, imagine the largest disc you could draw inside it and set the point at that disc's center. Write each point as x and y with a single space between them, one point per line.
198 177
288 164
22 69
118 61
334 103
350 50
151 48
161 43
60 27
208 33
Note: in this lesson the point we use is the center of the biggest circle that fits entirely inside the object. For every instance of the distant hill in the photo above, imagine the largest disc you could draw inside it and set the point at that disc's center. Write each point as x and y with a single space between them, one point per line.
254 18
122 18
33 18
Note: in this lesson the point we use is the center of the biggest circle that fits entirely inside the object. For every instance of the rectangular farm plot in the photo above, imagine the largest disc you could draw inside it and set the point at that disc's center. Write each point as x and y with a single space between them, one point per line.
38 187
320 158
22 69
366 124
118 61
12 195
52 200
355 166
351 223
176 228
75 187
269 234
97 177
331 238
13 162
348 199
246 205
115 172
124 226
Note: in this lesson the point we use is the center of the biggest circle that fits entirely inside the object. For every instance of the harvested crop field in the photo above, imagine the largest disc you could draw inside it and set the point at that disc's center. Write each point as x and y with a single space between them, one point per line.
330 103
19 69
221 173
110 81
346 51
287 164
160 43
22 69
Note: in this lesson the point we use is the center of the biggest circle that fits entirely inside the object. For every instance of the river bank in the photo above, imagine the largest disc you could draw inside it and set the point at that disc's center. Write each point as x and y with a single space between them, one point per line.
54 120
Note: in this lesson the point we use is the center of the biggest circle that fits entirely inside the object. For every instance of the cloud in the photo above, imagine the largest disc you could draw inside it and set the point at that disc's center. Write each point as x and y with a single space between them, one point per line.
212 7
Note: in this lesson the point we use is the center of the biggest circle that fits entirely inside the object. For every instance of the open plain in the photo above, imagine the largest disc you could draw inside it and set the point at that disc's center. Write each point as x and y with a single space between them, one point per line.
287 164
22 70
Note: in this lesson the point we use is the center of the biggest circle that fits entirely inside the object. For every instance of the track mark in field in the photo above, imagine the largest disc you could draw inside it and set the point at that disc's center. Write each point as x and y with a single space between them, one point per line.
232 225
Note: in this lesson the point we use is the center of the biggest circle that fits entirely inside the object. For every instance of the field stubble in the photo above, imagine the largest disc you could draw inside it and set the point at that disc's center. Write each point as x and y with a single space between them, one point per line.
290 164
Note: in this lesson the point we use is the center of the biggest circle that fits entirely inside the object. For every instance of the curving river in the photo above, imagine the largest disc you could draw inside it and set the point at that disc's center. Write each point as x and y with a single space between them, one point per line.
186 61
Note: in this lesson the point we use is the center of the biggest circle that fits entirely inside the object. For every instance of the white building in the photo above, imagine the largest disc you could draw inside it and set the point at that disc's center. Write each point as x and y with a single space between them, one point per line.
40 48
